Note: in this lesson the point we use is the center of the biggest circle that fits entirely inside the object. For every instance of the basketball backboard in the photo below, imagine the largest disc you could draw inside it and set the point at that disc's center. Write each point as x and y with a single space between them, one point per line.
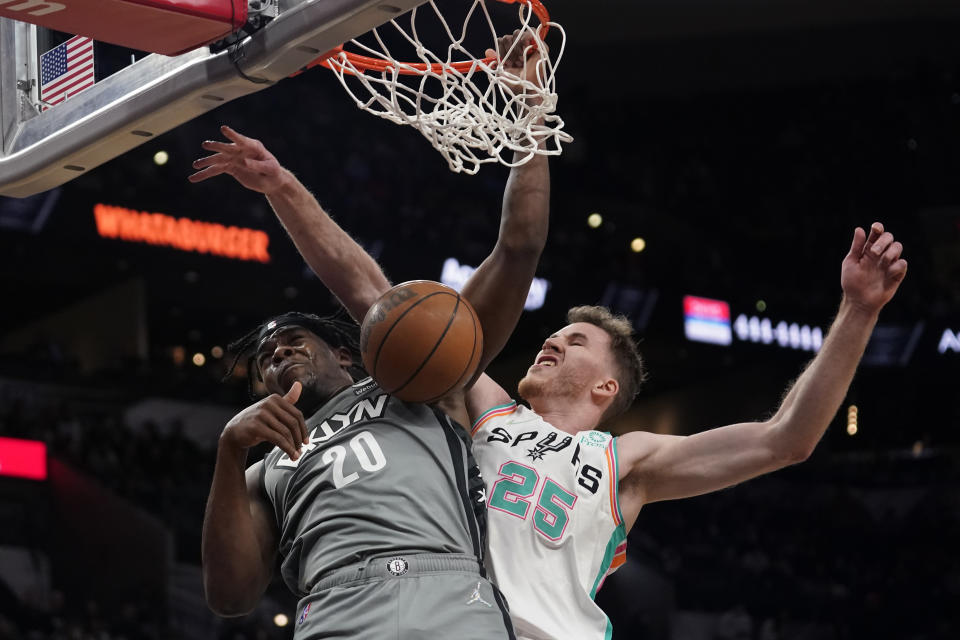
40 150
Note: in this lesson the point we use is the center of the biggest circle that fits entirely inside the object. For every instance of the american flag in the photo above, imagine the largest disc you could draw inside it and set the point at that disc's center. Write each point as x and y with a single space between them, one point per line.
66 70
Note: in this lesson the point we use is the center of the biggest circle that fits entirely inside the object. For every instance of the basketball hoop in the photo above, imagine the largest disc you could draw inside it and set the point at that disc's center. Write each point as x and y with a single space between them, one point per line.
469 108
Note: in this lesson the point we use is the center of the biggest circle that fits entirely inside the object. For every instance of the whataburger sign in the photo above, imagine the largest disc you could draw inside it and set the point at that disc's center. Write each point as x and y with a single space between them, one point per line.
181 233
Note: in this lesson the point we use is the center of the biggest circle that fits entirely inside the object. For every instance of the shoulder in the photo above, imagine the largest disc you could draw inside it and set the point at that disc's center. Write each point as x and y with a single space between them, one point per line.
496 414
364 385
636 448
484 395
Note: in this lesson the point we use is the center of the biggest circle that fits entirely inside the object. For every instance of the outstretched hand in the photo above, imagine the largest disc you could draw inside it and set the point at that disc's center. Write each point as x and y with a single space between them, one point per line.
246 159
873 270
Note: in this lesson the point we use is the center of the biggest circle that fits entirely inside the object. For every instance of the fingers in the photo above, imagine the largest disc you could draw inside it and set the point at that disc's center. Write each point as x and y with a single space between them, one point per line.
238 145
279 432
515 47
877 249
223 162
207 173
233 136
227 148
293 394
292 416
897 271
520 51
876 230
202 163
859 239
207 167
891 254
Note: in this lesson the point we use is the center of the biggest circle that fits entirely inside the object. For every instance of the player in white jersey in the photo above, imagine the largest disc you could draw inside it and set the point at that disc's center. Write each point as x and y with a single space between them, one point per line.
554 498
561 496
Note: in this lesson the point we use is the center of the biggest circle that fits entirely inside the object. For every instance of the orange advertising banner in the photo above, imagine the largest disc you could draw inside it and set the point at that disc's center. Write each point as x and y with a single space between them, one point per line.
181 233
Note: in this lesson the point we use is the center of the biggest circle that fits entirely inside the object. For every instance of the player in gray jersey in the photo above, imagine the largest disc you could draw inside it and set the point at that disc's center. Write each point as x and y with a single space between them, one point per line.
375 506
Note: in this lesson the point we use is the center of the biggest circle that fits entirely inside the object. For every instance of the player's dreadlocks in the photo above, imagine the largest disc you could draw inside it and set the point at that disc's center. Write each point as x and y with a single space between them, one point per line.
333 330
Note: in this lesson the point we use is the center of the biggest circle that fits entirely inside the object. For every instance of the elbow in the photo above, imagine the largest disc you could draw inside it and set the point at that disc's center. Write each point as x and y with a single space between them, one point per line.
227 606
525 247
795 453
798 455
785 451
228 601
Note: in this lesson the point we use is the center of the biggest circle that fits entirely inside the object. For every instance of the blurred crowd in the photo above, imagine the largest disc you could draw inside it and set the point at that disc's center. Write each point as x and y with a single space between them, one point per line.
61 618
161 470
838 549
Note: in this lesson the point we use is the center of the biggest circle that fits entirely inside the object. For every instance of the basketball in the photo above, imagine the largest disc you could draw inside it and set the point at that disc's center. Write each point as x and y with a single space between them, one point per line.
421 340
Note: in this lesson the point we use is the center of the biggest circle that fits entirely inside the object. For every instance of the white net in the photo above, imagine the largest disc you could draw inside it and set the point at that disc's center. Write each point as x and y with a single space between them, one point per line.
470 108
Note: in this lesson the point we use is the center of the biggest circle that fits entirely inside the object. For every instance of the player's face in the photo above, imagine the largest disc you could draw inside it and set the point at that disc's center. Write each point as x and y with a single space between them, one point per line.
293 353
570 362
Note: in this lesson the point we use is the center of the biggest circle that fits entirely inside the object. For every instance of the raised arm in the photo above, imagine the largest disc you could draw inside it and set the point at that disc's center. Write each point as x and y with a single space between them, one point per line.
661 467
239 544
498 289
341 264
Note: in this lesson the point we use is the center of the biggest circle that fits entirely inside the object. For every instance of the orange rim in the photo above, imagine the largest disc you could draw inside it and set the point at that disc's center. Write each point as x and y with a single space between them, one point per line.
366 63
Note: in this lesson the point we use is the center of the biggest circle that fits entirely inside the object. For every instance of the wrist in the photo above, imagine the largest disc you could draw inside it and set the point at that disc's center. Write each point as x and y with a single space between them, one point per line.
230 452
283 186
855 310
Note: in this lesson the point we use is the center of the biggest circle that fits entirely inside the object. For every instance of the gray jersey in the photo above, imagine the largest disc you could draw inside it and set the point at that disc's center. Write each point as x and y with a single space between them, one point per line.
380 476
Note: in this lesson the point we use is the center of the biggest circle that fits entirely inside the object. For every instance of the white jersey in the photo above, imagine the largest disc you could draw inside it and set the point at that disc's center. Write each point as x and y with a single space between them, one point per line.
554 527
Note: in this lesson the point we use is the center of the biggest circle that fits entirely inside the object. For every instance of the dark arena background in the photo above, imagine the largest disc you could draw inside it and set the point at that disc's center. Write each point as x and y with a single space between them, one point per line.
722 150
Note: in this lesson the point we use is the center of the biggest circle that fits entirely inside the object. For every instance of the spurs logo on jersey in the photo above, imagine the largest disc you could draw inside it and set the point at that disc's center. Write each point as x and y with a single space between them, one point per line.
589 475
363 410
554 525
546 445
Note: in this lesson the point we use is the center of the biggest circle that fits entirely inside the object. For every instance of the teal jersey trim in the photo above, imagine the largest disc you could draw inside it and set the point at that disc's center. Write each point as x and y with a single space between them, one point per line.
616 538
491 410
616 477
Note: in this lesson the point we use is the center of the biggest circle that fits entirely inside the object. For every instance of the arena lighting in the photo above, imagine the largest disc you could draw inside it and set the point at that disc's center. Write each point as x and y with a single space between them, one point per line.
793 335
761 305
706 320
160 158
181 233
852 420
281 620
217 352
638 244
455 275
949 341
23 459
199 359
594 220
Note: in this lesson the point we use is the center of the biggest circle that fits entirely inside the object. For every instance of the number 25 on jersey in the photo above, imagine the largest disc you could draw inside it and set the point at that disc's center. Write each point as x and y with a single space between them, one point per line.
512 494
